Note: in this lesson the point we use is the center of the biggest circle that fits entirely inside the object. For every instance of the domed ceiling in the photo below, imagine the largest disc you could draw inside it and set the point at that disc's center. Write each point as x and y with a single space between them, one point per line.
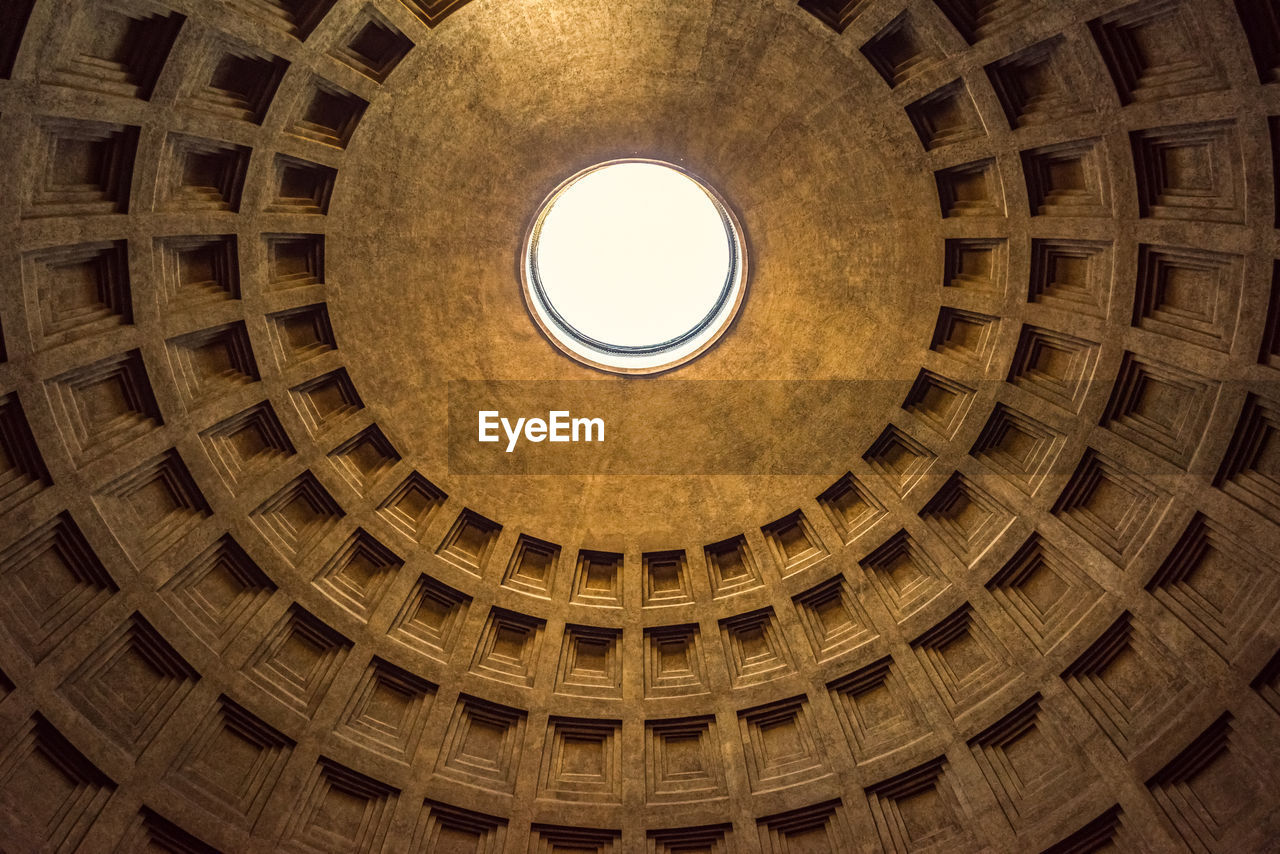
962 538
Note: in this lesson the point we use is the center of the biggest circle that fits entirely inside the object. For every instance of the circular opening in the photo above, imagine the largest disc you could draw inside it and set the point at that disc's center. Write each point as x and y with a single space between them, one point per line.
633 266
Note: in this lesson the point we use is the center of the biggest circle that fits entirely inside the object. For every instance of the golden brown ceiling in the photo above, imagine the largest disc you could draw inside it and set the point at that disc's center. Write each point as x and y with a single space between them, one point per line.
1022 595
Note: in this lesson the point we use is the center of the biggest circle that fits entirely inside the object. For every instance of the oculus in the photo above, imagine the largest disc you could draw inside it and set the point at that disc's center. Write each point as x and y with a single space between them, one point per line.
634 267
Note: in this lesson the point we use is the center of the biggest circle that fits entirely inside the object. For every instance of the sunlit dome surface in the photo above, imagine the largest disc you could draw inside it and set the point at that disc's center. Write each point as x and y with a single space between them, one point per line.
633 266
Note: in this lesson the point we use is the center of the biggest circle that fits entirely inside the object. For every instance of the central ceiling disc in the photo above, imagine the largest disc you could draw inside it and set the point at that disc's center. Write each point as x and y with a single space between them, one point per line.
634 266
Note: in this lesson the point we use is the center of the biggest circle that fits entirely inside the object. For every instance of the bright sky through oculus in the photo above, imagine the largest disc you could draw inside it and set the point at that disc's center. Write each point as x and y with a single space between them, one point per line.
634 264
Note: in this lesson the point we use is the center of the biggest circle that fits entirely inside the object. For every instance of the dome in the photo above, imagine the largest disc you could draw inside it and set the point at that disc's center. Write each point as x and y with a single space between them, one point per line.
958 534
